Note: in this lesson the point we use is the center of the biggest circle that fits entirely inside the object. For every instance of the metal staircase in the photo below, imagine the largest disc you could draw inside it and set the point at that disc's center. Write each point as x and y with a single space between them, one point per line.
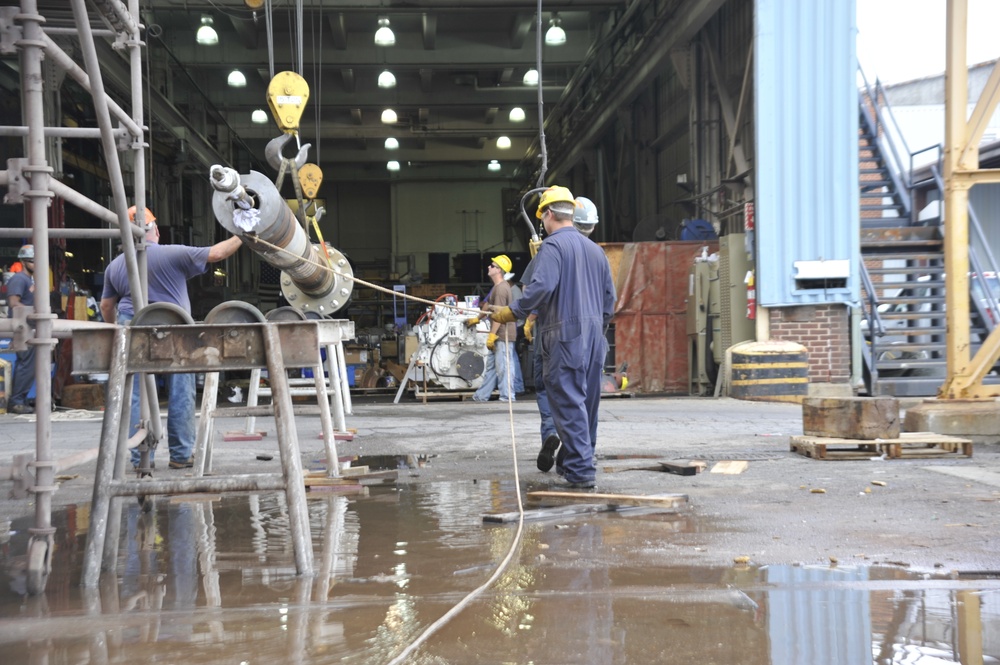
903 289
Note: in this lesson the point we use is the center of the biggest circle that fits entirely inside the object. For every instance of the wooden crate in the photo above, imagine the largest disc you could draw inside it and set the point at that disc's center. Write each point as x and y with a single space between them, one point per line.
909 445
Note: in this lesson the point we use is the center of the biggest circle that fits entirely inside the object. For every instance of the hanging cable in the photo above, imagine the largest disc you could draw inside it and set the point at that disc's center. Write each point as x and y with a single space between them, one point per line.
268 22
514 545
541 103
318 74
300 40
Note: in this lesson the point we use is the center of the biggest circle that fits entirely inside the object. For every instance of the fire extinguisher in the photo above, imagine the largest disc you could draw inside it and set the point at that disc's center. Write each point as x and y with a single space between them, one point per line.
751 295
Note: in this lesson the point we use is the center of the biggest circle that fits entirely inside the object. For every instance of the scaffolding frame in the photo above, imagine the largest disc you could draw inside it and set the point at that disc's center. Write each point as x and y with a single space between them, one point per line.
29 182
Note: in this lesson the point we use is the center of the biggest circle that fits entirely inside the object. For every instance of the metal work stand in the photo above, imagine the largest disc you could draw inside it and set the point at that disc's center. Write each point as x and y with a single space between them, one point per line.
210 348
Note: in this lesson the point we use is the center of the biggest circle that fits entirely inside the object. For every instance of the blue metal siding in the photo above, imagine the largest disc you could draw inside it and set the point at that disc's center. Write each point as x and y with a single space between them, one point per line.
806 166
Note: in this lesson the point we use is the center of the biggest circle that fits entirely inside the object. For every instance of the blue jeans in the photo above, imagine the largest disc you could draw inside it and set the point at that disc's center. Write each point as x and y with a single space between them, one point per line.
24 376
180 412
495 377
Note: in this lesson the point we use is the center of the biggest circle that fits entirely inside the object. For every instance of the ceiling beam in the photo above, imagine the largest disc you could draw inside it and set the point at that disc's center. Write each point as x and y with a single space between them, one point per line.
339 30
429 27
519 29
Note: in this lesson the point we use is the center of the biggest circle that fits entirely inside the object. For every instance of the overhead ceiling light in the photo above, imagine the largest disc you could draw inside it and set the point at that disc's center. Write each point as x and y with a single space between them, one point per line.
384 35
386 79
392 166
531 77
517 114
391 143
555 35
259 116
236 79
503 142
206 33
494 165
389 117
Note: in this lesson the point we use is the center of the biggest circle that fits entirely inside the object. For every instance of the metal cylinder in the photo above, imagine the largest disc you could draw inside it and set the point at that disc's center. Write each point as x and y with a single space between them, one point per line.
305 283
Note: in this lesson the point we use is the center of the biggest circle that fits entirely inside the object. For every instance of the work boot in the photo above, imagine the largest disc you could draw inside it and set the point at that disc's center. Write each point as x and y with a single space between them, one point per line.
182 464
547 456
564 484
20 408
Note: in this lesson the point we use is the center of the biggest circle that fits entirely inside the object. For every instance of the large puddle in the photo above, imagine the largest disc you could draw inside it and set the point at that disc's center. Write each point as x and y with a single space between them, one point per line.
213 581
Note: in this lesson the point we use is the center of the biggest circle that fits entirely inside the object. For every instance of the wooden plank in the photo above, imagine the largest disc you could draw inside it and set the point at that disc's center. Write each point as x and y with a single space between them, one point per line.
661 500
677 467
730 467
537 514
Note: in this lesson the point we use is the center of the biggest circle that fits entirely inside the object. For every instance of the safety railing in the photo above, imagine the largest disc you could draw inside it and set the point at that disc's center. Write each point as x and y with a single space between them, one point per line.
885 131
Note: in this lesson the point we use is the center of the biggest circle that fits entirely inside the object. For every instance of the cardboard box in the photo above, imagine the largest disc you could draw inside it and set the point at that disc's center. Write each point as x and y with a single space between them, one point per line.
355 355
410 346
389 348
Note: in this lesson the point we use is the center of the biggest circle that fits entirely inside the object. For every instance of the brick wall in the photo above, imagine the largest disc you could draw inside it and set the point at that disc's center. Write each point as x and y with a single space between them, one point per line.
825 332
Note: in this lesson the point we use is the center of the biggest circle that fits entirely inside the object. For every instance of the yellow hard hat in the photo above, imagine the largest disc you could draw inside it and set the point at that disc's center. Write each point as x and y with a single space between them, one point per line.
504 262
554 194
150 218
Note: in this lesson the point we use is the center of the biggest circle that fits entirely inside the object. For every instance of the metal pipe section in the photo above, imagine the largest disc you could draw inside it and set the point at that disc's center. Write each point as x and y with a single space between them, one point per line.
250 205
62 132
38 173
60 57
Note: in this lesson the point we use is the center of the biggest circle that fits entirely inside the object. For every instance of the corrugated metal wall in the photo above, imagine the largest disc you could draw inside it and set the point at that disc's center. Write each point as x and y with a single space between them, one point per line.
806 110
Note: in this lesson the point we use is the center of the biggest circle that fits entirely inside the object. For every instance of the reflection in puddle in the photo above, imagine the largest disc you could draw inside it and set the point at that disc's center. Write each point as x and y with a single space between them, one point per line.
205 582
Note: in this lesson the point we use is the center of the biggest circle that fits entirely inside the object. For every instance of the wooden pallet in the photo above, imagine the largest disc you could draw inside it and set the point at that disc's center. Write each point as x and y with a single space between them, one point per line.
909 445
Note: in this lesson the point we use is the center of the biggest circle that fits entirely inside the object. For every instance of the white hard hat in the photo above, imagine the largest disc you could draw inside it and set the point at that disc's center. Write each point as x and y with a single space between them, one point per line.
585 215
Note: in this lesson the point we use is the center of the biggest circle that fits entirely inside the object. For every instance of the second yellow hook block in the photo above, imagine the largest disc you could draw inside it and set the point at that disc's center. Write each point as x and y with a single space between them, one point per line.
311 177
287 94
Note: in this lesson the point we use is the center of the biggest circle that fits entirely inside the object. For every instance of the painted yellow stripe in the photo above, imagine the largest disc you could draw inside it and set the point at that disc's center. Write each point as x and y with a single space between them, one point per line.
770 365
752 382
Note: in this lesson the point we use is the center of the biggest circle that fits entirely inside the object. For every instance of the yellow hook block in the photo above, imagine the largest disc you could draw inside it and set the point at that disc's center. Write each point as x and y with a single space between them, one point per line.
311 177
287 94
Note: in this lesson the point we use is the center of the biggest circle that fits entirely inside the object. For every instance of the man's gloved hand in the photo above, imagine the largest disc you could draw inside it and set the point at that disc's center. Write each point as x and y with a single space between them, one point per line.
503 315
529 329
491 341
472 322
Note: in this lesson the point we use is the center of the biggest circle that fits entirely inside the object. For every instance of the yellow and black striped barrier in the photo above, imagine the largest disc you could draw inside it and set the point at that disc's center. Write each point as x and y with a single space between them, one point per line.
770 371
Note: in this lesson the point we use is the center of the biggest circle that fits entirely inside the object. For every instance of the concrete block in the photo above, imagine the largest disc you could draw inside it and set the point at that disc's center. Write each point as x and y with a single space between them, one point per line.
977 420
851 417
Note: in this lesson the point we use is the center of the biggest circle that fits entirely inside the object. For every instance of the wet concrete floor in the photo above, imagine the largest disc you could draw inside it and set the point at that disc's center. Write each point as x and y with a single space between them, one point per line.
211 580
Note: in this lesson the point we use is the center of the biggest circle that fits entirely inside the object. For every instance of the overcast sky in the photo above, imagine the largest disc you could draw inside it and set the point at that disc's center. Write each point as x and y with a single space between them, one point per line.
899 40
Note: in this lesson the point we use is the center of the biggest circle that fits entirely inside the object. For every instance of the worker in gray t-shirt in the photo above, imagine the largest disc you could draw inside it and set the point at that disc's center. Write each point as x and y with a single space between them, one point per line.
169 267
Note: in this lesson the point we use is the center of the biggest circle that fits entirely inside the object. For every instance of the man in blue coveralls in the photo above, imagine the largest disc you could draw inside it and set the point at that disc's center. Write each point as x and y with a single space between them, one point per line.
573 295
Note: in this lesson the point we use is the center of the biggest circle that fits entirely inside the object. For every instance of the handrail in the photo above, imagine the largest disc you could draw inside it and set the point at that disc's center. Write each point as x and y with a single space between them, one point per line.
977 268
885 140
876 328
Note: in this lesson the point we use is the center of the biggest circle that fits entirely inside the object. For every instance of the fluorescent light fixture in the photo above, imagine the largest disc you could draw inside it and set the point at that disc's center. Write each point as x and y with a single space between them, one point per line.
259 116
389 117
555 35
206 33
386 79
530 77
384 35
236 79
392 166
494 165
391 144
517 114
503 142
